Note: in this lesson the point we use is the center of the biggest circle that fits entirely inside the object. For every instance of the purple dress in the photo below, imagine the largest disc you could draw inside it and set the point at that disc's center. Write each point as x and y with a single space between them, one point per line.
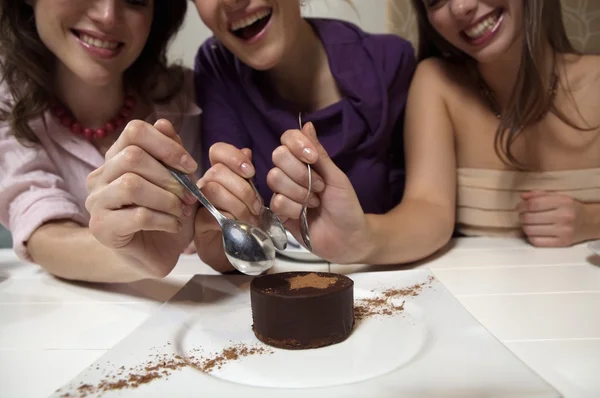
362 133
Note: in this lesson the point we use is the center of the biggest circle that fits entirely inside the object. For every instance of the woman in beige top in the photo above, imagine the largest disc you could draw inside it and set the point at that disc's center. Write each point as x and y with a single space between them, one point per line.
502 125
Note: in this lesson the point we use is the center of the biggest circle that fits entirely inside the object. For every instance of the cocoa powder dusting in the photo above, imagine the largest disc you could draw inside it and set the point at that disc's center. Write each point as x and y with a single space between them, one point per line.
383 305
311 280
161 366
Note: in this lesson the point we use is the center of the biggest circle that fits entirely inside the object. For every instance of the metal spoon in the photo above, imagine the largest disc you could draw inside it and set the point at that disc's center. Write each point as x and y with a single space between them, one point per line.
270 223
303 216
595 247
248 249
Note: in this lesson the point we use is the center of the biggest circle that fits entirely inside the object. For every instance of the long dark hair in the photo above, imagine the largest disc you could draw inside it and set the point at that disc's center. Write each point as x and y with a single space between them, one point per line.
531 97
26 63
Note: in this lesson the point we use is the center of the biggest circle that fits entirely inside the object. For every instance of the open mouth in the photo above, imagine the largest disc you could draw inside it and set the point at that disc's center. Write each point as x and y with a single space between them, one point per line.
484 28
250 26
95 42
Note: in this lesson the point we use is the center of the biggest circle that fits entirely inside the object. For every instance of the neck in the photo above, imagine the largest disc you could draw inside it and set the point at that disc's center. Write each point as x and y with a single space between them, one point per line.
91 105
296 76
501 75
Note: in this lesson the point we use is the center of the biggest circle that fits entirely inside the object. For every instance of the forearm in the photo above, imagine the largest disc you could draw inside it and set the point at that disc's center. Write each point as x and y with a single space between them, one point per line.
591 227
68 250
410 232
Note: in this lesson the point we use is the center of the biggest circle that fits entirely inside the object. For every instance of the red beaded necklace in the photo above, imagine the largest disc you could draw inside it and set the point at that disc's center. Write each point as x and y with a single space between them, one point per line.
66 118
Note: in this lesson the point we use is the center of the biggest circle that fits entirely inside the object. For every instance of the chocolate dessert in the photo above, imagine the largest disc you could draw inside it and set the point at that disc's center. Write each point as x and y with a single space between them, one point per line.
301 310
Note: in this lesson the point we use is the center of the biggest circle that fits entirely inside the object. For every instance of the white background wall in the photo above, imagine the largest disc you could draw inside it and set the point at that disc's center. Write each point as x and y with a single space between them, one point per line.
369 14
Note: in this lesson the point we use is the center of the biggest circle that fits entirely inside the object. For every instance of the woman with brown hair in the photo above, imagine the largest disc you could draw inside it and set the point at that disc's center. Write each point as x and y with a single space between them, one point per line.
502 137
73 76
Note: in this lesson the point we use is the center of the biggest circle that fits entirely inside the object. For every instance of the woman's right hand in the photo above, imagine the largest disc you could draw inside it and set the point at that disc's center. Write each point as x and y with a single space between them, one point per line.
225 185
136 207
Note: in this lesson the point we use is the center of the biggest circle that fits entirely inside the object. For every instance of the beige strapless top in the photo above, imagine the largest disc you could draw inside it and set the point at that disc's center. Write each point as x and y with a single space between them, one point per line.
487 199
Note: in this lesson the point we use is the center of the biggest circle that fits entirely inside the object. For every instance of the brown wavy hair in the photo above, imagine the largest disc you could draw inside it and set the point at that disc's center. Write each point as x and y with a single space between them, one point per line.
27 64
531 97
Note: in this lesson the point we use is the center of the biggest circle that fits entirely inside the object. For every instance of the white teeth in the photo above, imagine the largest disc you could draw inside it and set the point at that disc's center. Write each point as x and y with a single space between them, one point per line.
483 27
109 45
249 20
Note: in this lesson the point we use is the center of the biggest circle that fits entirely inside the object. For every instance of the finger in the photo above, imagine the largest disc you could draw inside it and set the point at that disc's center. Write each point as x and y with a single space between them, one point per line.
236 185
545 203
165 127
233 158
224 200
532 194
540 230
280 183
325 166
285 208
546 241
206 222
117 228
132 190
248 153
155 143
295 169
538 218
300 145
134 160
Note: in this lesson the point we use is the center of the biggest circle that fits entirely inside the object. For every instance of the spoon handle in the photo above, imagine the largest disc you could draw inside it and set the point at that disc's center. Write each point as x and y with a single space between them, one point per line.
185 180
260 199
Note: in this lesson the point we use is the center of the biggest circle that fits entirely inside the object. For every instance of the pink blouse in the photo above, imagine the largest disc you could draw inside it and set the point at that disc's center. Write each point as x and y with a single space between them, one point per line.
48 181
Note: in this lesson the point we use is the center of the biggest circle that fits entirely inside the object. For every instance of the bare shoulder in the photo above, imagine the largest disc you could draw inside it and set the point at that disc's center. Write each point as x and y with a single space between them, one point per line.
441 77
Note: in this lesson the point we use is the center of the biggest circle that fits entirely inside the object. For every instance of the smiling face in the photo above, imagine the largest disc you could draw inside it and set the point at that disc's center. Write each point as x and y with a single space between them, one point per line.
258 32
484 29
95 40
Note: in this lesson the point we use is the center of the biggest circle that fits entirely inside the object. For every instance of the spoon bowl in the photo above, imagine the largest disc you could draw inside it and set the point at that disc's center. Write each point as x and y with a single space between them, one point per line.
595 247
248 249
270 223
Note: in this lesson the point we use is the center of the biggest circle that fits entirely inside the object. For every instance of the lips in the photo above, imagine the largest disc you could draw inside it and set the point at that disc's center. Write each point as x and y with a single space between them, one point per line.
97 42
250 26
483 28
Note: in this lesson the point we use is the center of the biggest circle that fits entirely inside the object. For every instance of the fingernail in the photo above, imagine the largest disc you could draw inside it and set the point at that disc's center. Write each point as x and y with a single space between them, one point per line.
186 210
319 185
257 208
309 154
188 197
247 169
313 201
188 163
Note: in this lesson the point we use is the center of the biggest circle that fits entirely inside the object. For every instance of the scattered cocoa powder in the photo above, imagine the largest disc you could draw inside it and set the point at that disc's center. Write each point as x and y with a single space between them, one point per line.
383 305
160 366
311 280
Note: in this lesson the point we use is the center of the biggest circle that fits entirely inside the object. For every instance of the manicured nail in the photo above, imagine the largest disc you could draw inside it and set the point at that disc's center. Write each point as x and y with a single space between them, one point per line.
247 169
309 155
188 163
186 210
188 197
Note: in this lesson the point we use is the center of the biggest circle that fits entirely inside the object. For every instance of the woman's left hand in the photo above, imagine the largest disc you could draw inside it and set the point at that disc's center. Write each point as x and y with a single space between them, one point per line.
551 220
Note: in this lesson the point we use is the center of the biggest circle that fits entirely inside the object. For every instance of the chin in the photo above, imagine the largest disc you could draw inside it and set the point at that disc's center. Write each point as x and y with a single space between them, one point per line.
96 78
263 60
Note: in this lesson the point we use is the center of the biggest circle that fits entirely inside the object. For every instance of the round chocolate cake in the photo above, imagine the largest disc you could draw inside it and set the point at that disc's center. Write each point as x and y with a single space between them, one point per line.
301 310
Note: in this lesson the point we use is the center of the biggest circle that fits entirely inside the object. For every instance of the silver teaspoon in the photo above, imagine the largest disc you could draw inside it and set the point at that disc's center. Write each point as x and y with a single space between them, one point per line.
248 249
270 223
303 215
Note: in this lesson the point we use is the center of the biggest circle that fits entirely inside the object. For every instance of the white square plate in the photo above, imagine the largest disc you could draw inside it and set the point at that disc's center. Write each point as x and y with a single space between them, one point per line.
434 348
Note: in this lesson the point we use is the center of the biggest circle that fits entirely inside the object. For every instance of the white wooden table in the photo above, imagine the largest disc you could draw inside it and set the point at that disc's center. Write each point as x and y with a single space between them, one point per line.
544 304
